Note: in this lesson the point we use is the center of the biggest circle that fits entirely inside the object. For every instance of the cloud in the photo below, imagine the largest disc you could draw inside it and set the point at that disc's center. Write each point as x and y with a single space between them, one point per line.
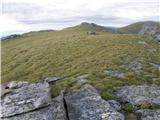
39 14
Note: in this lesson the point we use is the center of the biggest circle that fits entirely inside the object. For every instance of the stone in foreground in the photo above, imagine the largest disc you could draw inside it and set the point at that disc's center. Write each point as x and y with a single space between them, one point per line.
53 112
137 95
24 99
86 104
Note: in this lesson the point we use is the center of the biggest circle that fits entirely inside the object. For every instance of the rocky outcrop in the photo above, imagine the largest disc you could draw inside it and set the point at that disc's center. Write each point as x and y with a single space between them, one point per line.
25 99
54 111
87 104
153 30
137 95
31 102
145 100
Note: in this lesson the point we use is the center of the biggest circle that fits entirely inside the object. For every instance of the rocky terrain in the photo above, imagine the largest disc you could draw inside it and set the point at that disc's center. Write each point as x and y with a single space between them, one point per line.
105 74
33 101
149 28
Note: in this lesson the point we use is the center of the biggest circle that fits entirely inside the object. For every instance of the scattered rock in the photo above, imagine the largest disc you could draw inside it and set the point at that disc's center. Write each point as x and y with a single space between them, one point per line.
83 76
82 79
157 66
134 65
87 104
157 37
25 99
142 42
148 114
138 95
16 84
50 80
114 73
91 33
151 50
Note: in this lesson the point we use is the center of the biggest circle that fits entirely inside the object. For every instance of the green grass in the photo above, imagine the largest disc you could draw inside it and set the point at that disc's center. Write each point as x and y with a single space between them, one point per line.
71 52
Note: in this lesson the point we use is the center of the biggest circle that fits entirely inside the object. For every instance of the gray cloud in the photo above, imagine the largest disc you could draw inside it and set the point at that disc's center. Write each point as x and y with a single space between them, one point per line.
32 15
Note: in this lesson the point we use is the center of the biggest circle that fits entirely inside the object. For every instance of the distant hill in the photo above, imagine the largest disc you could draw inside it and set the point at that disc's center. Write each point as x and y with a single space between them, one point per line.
84 26
11 37
15 36
135 28
149 28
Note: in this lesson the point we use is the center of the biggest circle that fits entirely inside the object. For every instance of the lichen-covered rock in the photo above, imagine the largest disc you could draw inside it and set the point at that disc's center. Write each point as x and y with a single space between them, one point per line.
54 111
138 95
148 114
87 104
115 104
153 30
24 99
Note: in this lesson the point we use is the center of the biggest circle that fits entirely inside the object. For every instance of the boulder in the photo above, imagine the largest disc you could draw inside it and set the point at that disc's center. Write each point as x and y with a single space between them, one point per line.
148 114
24 99
54 111
87 104
114 73
143 95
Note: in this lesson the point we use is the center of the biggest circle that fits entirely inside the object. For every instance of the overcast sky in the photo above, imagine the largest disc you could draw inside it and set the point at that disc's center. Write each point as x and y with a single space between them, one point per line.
20 16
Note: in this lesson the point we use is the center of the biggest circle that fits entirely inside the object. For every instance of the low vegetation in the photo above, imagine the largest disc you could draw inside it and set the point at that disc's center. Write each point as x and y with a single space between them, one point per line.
71 52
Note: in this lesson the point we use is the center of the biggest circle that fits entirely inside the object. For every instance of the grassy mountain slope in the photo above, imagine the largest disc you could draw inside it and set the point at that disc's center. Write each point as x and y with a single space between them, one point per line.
71 52
136 27
89 27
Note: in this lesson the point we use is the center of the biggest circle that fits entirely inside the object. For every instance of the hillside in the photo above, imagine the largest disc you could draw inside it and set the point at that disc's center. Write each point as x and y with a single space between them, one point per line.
71 52
135 28
84 26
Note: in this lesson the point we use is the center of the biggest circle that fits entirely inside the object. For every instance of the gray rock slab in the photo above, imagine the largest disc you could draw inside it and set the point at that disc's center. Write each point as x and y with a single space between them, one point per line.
54 111
114 73
139 94
87 104
25 99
